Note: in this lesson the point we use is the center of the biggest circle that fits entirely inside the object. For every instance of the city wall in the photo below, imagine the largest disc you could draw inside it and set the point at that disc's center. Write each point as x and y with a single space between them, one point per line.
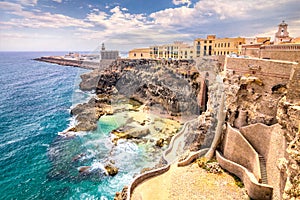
271 72
268 141
254 189
281 52
239 150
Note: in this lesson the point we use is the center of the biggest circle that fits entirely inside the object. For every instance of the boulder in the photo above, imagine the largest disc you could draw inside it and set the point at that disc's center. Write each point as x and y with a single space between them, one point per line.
111 169
160 142
84 169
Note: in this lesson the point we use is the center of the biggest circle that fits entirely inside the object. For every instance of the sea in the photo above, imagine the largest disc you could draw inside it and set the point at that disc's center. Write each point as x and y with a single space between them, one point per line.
35 161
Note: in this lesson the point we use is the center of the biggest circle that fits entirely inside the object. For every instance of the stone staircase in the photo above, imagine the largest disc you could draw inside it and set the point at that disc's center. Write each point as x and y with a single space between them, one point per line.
263 169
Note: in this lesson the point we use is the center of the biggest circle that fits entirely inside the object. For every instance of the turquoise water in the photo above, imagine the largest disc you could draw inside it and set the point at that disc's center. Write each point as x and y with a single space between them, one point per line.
35 162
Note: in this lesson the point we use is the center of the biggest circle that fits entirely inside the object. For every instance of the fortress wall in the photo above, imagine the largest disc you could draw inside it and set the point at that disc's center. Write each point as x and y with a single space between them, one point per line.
254 189
293 94
269 141
138 180
238 150
280 54
271 72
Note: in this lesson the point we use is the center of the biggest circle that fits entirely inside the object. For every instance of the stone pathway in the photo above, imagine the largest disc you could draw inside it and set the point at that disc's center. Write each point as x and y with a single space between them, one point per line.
189 183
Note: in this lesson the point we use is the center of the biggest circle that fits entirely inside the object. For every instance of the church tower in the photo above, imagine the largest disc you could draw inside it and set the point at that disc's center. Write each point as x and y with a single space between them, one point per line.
282 34
103 47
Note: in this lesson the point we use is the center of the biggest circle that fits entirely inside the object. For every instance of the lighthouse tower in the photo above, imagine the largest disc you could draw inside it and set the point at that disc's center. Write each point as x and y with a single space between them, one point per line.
282 35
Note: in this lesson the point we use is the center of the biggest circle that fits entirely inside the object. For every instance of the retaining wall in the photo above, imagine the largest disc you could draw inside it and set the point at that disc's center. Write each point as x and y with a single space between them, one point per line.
139 179
271 72
269 141
239 150
193 156
254 189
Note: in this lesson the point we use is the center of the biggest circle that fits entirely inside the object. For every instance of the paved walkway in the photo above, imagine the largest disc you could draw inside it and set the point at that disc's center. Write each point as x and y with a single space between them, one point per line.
189 183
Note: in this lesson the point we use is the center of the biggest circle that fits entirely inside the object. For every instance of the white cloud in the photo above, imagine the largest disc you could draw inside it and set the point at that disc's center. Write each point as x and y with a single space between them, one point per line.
180 2
118 20
8 6
118 26
43 20
28 2
58 1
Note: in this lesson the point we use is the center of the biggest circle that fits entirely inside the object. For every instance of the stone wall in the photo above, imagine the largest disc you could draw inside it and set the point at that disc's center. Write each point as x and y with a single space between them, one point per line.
281 54
269 141
144 177
254 189
255 85
239 150
293 94
271 72
268 92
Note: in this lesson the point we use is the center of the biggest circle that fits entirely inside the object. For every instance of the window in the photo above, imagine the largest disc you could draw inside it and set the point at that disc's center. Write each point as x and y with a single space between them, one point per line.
224 44
221 44
205 41
228 44
134 54
141 55
210 41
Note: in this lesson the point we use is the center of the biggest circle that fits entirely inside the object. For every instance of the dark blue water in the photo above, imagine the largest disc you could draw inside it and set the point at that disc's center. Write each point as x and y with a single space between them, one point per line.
36 163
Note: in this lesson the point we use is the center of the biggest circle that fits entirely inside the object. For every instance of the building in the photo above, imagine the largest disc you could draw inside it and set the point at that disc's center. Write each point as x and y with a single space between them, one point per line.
186 53
139 53
226 46
217 46
282 35
252 46
284 47
204 47
108 55
176 50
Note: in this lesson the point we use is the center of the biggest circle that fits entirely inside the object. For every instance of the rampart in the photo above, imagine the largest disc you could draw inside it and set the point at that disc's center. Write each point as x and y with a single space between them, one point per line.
167 157
269 141
193 156
158 171
287 52
272 72
239 150
254 189
139 179
290 52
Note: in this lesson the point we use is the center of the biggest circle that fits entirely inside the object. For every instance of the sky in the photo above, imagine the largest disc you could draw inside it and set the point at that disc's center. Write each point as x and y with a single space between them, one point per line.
82 25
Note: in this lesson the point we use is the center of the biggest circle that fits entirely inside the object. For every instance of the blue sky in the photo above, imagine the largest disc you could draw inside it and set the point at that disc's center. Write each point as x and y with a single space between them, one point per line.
73 25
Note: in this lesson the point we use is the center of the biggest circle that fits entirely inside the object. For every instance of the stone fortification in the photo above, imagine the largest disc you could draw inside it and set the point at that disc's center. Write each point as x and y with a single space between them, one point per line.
289 52
262 101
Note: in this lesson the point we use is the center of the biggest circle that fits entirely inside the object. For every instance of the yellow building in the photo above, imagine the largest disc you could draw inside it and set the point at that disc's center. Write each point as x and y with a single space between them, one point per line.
217 46
139 53
176 50
226 46
204 47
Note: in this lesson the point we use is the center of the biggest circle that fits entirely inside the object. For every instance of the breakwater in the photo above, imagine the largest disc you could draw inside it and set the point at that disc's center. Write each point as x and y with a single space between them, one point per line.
68 62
